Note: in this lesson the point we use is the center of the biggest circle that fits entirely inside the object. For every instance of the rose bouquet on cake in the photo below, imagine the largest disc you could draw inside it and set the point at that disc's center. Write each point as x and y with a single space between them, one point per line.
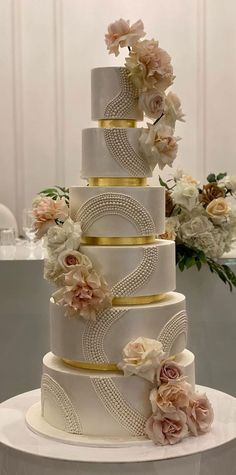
202 221
80 289
177 411
149 68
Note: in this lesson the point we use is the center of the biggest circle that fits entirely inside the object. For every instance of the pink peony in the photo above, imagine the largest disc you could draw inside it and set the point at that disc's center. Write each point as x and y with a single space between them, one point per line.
121 34
199 414
169 371
46 211
150 66
171 396
84 292
168 428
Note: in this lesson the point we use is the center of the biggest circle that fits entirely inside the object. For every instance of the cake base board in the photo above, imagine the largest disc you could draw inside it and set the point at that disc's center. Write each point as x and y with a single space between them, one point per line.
39 425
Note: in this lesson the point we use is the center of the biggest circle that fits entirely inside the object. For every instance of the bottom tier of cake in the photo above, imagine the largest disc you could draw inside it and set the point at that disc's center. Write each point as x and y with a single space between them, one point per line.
97 403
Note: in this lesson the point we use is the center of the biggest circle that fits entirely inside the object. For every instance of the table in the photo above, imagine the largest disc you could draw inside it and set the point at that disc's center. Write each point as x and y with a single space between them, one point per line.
24 322
23 452
211 309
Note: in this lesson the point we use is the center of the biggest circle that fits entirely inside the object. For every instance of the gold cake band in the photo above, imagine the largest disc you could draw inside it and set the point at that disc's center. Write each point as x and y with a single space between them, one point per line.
92 366
137 300
117 181
97 366
118 240
112 123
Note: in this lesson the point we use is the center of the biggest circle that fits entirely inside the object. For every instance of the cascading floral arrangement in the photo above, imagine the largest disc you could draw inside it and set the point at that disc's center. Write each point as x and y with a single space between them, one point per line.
81 290
201 219
177 411
150 69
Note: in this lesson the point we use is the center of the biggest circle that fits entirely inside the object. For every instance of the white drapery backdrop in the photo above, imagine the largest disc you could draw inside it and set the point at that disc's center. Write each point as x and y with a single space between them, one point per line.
47 50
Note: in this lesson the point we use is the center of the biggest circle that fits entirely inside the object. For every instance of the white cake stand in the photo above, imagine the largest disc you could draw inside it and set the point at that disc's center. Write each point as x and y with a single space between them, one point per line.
23 452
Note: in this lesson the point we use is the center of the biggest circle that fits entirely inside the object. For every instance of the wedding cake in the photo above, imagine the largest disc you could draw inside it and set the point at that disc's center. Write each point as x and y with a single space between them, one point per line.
118 367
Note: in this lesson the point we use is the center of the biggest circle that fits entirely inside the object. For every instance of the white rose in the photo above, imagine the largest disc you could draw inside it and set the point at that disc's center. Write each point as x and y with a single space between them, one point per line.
172 110
159 145
152 103
142 357
172 225
185 194
53 271
195 226
60 238
229 182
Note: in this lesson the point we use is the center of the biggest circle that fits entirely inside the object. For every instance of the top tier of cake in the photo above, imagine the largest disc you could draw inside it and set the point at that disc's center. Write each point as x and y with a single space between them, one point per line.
113 95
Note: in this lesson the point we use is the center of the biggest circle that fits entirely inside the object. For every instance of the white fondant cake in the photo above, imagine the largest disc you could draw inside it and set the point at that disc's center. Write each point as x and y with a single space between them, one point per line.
113 95
96 403
135 270
102 341
118 211
113 152
103 365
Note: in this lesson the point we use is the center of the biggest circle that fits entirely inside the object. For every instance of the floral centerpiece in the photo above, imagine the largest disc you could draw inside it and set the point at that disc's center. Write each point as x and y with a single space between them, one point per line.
202 221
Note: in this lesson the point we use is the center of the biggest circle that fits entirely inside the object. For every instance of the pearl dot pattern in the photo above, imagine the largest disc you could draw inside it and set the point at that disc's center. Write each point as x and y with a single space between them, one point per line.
115 204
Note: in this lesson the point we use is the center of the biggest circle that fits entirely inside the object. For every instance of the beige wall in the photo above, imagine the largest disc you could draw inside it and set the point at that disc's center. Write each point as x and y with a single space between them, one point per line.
47 50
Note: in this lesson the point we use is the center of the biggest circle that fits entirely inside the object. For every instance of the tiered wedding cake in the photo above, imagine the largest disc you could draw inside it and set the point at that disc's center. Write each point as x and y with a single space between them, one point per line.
110 364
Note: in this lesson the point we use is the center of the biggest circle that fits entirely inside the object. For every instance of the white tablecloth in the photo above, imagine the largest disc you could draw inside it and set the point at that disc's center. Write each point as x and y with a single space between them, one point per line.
24 322
24 453
212 326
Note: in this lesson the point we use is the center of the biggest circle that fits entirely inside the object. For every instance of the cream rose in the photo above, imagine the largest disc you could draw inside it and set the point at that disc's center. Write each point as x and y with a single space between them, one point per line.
185 194
167 428
142 357
199 414
152 103
218 210
172 109
159 145
171 396
121 34
53 271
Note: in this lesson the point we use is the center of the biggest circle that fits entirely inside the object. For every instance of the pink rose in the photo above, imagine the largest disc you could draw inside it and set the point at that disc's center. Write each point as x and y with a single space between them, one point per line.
167 428
150 66
171 396
84 292
169 371
121 34
70 258
199 414
46 211
152 103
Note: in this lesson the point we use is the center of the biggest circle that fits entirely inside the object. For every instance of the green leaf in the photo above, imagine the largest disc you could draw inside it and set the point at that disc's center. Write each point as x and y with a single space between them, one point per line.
211 178
220 176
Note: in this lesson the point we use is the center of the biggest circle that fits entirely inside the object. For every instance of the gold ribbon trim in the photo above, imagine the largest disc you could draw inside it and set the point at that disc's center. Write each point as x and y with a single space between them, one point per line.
92 366
113 123
138 300
117 240
117 181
